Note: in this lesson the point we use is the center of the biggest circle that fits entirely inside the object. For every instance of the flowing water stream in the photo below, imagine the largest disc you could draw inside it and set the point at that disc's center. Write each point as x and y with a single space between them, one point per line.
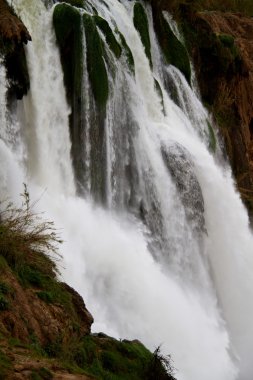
167 259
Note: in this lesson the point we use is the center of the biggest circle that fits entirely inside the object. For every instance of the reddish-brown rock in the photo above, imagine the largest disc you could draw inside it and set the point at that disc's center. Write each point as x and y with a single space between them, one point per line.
224 63
28 318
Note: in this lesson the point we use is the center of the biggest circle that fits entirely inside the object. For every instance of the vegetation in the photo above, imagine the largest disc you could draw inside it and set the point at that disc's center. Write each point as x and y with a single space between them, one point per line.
141 24
174 51
128 53
95 62
75 3
41 374
28 247
26 241
110 38
243 6
67 24
5 365
109 359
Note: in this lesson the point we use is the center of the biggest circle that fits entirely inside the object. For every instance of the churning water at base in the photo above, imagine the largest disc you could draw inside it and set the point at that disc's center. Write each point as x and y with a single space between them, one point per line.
169 260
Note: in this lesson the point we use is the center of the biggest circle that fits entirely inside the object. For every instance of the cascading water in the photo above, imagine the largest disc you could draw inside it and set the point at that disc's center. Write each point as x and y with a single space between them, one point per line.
167 259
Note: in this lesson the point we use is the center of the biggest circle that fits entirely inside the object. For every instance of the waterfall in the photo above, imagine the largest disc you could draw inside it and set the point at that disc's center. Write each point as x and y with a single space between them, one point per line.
156 238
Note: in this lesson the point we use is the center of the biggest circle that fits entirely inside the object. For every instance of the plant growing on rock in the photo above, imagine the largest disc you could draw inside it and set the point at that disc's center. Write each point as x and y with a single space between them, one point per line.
25 238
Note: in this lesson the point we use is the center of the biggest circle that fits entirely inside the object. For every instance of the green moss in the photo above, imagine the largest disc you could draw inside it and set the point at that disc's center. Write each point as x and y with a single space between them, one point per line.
108 33
226 39
128 53
141 24
95 62
4 288
212 138
41 374
5 365
75 3
108 358
174 51
47 297
4 303
68 30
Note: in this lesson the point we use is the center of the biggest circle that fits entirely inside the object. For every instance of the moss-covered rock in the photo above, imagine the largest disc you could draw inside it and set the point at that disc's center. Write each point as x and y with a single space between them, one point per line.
109 36
108 358
141 24
95 62
67 25
128 53
100 87
74 3
174 51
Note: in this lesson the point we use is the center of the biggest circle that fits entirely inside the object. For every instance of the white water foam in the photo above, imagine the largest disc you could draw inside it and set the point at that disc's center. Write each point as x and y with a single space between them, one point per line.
106 254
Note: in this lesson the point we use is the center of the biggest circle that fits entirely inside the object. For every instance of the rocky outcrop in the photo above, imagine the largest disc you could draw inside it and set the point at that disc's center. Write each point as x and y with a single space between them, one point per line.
13 36
31 316
12 30
221 45
222 48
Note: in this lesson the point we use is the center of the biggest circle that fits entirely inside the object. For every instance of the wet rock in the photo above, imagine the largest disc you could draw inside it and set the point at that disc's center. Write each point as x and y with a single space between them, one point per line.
181 168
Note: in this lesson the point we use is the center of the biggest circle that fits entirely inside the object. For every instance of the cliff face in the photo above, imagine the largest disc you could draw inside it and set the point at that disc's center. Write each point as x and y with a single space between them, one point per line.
223 55
221 45
13 36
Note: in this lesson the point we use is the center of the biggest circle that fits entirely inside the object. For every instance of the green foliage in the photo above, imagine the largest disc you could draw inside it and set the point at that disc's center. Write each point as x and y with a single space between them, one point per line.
160 367
4 288
55 348
5 292
109 359
47 297
26 240
227 40
4 303
174 51
28 247
5 365
110 38
41 374
243 6
141 24
95 62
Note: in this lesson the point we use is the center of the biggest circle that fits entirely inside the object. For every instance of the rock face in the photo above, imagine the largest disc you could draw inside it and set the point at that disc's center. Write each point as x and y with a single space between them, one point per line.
31 318
224 64
221 45
11 28
13 36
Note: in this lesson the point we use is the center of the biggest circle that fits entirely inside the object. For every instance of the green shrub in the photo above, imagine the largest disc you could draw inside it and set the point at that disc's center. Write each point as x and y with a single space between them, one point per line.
108 358
41 374
47 297
26 240
4 303
5 365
